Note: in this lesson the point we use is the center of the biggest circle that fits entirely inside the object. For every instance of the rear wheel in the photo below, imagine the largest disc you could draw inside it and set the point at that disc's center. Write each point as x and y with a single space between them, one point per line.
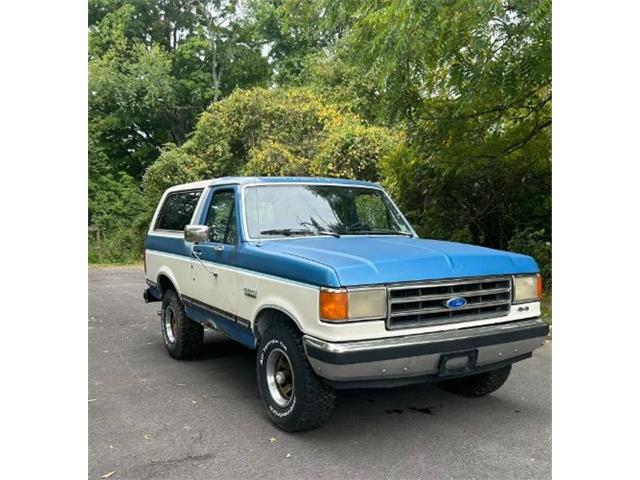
182 336
294 397
478 385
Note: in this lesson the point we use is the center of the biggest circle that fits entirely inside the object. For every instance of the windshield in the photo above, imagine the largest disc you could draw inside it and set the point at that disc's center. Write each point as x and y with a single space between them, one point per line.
274 211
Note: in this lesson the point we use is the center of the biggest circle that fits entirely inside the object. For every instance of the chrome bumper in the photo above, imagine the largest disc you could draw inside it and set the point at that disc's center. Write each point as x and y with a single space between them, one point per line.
417 357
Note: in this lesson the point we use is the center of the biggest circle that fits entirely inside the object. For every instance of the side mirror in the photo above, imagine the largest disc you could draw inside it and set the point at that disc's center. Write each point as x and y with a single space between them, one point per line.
196 233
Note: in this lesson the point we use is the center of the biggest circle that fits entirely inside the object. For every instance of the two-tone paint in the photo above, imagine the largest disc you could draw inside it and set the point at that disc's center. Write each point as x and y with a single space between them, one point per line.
229 286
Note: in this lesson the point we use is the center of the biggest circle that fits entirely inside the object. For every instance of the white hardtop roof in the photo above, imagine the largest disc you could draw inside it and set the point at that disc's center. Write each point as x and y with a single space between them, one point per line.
269 180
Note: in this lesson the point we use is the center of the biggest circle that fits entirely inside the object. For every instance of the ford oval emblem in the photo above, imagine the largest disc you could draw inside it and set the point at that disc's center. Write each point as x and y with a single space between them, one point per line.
456 302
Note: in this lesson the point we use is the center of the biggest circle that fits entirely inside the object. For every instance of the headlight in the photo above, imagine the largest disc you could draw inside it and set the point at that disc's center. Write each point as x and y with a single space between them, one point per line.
527 288
347 305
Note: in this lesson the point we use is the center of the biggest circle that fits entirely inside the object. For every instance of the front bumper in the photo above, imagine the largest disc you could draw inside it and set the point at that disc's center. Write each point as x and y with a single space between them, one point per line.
415 358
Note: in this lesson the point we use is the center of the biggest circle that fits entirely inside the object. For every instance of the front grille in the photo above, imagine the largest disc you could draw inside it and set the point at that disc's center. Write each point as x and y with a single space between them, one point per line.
420 305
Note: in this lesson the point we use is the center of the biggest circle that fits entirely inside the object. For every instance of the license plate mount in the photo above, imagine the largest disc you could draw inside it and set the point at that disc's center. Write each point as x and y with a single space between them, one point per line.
457 363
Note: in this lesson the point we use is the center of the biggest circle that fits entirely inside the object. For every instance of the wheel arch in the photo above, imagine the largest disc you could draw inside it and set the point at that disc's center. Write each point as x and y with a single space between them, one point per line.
268 314
167 281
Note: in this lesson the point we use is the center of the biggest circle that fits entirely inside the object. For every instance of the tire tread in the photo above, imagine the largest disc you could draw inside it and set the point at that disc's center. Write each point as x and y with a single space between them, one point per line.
478 385
314 397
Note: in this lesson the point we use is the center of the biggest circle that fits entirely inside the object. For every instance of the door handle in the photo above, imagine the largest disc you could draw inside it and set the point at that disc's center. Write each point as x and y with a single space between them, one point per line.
219 249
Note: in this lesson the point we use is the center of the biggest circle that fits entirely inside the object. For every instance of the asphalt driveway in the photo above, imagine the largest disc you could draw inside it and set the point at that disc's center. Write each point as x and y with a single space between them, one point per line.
154 417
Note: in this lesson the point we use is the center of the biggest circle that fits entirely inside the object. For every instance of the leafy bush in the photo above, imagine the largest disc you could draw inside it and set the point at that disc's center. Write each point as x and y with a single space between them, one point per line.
295 118
174 166
290 131
118 211
537 244
354 151
480 201
122 245
271 158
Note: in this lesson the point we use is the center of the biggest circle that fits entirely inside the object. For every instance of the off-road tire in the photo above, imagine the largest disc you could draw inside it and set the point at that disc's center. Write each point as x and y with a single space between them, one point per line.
188 334
478 385
312 401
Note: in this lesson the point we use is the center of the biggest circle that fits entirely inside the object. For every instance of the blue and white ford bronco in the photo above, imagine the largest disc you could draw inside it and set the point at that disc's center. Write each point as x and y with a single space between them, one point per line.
332 286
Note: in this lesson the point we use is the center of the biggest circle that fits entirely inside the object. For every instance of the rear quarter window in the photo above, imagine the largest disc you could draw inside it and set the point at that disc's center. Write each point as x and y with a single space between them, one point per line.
177 210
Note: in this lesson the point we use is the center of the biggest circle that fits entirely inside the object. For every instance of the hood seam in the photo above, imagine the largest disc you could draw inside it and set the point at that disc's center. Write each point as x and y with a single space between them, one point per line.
335 273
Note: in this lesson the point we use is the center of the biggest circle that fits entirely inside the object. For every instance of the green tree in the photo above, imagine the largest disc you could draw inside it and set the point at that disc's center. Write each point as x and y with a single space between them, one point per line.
154 66
446 102
174 166
274 132
117 209
469 82
292 31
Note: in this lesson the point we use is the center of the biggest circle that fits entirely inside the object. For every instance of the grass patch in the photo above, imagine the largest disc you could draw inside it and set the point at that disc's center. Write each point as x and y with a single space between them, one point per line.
545 306
116 265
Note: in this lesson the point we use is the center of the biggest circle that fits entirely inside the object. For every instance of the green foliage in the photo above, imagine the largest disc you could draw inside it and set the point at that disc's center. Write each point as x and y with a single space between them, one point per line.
118 211
154 66
271 158
294 31
355 151
483 202
447 103
534 243
114 198
470 84
273 132
130 93
174 166
228 130
123 245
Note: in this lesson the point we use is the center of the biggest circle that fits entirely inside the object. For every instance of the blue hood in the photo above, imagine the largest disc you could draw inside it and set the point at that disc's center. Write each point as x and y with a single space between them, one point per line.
370 260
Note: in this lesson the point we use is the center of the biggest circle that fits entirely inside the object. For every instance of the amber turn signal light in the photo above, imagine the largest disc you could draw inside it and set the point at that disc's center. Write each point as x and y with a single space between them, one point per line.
334 305
539 287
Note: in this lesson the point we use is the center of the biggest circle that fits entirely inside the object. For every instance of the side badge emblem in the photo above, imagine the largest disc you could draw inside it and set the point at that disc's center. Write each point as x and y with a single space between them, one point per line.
250 292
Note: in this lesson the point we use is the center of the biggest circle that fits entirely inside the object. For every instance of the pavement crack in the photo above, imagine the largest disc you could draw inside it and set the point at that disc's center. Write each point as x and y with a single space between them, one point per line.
178 461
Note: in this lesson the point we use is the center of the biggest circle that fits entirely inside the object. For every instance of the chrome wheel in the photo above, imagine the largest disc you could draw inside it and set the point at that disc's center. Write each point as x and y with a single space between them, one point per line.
170 323
280 377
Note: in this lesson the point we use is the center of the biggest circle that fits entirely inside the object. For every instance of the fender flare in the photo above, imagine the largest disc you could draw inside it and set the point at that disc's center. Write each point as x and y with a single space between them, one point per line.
259 311
167 272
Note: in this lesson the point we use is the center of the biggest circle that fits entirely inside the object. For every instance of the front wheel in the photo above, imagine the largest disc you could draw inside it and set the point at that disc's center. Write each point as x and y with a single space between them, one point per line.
294 397
478 385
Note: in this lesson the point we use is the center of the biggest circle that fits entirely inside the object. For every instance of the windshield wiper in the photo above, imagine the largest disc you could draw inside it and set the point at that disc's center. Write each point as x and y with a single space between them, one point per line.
287 232
319 228
329 232
380 231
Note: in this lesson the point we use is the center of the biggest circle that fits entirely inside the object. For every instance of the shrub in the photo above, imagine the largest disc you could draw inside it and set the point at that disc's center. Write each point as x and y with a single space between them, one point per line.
122 245
290 131
536 244
174 166
271 158
354 151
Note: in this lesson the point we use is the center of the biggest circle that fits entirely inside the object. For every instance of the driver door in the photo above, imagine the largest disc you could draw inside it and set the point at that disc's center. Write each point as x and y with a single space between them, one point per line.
214 283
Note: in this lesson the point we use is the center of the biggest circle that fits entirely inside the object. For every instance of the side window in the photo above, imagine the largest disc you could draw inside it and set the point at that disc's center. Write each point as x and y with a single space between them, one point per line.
177 210
221 218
